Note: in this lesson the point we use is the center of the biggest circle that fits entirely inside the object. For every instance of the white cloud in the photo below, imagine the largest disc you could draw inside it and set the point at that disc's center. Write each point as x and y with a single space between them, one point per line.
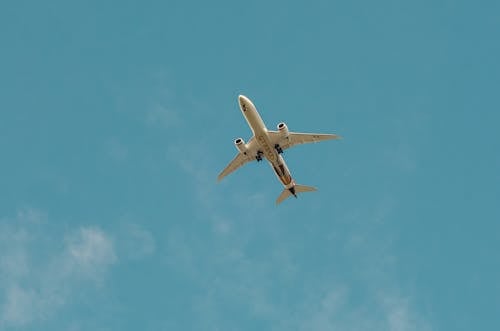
19 307
30 215
400 316
13 252
40 271
88 252
337 308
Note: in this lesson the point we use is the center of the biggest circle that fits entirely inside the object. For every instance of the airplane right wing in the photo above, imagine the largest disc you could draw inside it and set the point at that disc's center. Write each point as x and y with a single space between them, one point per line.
296 138
240 159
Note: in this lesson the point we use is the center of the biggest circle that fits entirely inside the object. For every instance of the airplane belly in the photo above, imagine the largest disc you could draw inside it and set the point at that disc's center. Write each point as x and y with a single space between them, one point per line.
254 120
282 172
269 152
266 148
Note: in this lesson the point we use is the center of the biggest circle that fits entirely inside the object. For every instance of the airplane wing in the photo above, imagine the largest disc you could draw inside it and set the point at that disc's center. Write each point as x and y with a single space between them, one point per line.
240 159
296 138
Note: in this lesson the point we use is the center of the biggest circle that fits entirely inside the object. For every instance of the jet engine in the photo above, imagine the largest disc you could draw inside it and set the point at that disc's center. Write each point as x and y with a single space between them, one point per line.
283 129
240 145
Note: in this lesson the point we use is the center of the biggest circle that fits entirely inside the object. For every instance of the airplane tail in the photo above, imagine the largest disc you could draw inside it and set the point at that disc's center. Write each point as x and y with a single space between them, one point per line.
293 191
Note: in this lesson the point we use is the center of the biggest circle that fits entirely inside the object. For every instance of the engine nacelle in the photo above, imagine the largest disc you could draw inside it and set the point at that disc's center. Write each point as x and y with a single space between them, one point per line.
283 129
240 145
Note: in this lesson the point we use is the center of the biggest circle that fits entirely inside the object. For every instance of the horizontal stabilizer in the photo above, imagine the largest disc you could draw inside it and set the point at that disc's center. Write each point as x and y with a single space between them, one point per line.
285 194
303 188
293 191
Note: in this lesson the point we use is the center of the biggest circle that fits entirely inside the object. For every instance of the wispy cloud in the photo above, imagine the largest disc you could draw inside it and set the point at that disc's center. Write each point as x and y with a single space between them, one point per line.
135 242
337 308
400 315
160 109
88 252
163 116
41 270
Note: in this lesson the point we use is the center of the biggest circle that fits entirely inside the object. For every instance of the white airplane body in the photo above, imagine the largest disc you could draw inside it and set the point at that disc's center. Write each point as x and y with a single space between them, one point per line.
270 144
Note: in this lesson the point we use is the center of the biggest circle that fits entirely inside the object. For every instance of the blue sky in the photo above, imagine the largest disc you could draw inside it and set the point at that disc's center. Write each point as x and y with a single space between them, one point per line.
115 120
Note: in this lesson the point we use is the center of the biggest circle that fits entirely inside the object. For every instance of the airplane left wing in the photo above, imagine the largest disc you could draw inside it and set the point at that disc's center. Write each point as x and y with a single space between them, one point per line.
296 138
239 160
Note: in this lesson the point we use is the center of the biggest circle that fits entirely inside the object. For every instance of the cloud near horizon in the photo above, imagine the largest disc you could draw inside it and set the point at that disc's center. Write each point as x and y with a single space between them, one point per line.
40 270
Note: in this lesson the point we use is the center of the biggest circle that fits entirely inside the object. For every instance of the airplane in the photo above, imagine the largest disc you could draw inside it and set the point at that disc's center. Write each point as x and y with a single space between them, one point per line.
270 145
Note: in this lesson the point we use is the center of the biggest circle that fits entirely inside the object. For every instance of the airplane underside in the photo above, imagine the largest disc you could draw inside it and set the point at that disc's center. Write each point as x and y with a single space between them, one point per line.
270 145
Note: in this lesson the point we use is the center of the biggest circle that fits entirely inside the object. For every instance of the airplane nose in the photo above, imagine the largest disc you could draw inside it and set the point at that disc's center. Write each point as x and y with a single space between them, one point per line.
244 101
241 101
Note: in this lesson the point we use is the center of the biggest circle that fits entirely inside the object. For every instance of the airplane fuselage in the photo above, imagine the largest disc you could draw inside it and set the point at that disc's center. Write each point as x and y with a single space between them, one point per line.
266 148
